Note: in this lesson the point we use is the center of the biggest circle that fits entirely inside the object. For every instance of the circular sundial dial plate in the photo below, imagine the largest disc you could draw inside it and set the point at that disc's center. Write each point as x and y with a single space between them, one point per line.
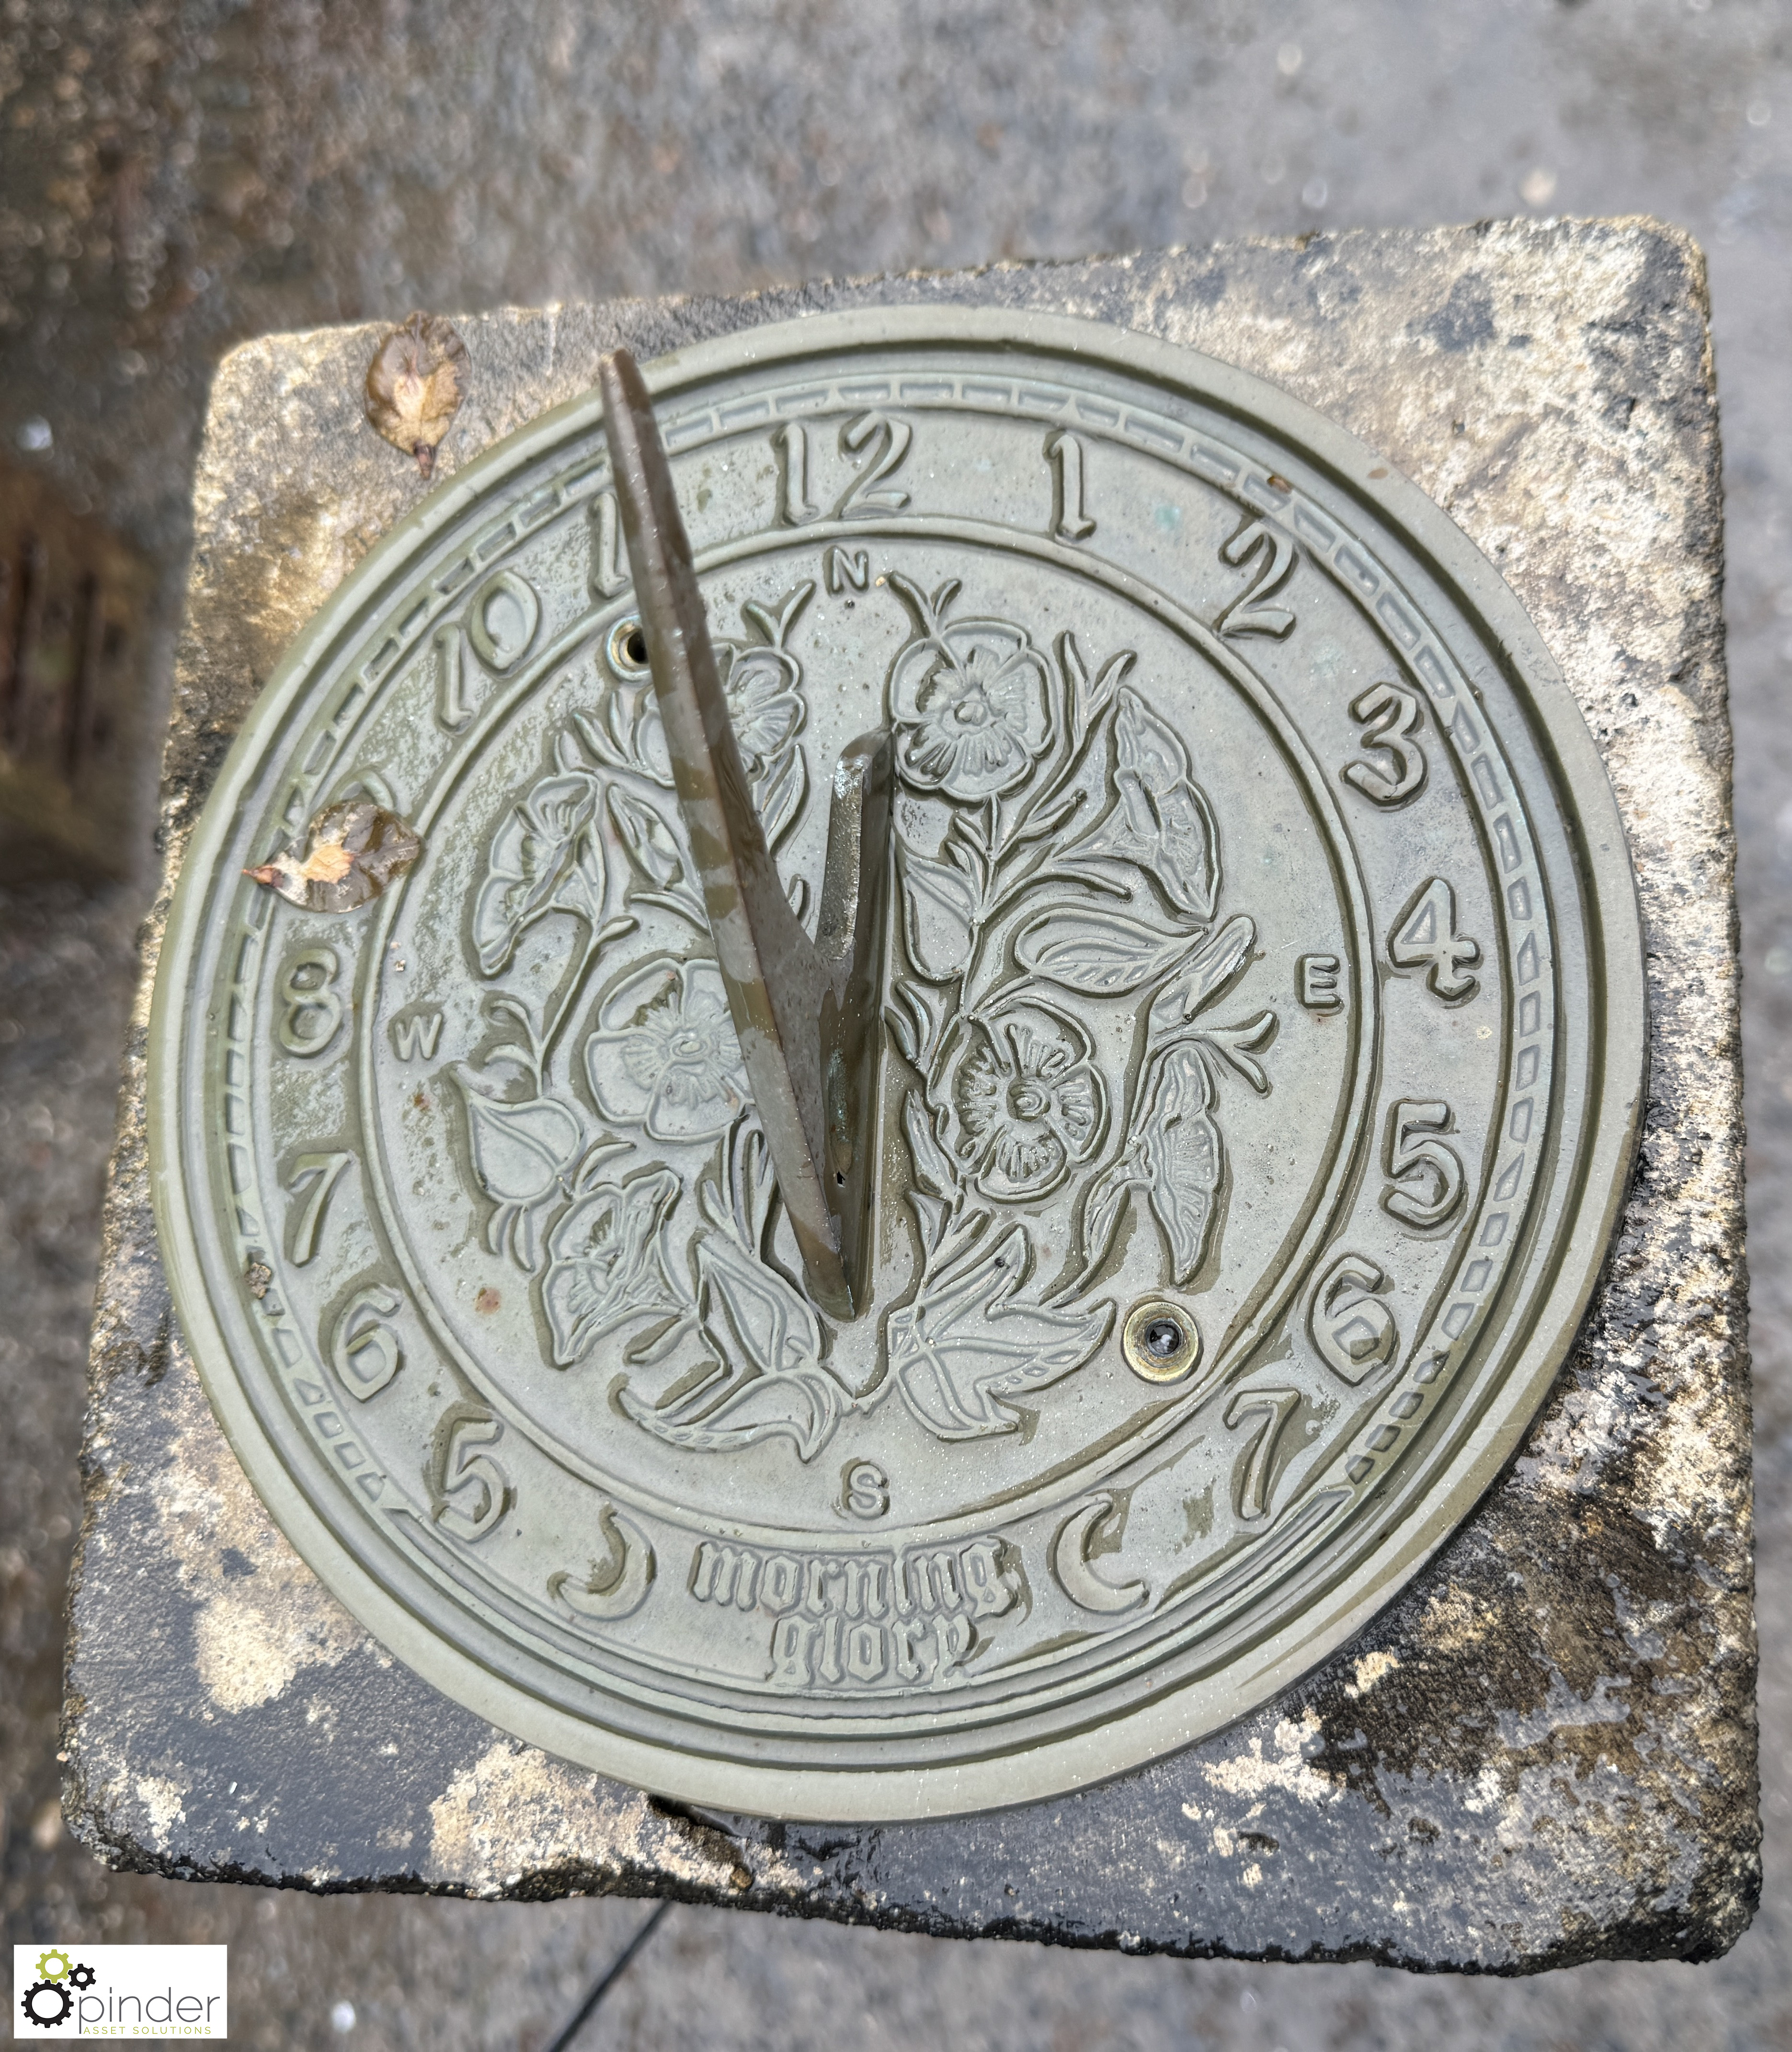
1263 1044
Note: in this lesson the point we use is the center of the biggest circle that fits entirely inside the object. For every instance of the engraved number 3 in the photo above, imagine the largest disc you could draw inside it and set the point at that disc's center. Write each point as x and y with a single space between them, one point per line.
313 1010
1390 718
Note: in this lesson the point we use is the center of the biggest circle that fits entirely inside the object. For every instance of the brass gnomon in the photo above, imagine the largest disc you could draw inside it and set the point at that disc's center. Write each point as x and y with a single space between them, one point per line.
807 1011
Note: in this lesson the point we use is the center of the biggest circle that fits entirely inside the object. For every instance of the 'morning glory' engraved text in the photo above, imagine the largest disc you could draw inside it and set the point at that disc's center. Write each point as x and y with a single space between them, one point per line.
899 1619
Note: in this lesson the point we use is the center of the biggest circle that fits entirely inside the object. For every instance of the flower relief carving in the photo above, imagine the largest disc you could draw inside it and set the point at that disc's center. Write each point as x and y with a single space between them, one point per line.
1067 859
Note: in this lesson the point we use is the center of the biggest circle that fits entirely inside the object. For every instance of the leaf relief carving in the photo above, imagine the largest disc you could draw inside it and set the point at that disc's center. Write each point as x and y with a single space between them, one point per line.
545 856
1212 972
1173 1154
1159 821
767 1339
963 1345
939 908
1101 953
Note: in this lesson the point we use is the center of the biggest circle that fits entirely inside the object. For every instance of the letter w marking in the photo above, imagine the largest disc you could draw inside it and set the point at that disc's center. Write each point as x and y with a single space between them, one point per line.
416 1036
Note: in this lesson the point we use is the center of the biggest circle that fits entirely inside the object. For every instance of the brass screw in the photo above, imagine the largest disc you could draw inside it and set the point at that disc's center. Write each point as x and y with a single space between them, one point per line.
1159 1340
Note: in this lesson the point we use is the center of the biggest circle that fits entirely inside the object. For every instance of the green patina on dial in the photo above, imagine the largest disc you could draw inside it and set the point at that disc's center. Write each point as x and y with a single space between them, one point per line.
1261 1053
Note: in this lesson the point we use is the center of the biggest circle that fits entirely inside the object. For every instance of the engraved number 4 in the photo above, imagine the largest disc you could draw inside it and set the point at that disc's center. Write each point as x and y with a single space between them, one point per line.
1426 938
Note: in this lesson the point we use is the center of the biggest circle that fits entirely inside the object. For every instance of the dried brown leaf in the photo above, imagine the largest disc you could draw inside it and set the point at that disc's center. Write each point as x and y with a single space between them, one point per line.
415 385
348 855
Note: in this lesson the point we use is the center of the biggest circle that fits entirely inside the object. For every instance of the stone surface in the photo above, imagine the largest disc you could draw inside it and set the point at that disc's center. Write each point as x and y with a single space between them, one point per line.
1543 1753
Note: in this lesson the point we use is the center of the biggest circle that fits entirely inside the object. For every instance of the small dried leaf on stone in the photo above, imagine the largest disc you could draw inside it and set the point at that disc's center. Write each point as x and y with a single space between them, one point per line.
347 855
415 385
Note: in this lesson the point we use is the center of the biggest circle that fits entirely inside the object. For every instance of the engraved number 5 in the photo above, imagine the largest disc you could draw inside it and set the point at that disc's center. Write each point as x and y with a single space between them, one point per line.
472 1492
1425 1182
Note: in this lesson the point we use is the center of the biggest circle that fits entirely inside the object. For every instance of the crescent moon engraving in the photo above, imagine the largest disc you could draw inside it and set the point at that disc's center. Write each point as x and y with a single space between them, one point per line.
618 1587
1070 1562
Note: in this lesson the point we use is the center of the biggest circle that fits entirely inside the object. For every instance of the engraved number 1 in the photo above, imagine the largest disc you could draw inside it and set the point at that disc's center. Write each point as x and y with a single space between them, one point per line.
794 505
1070 522
608 576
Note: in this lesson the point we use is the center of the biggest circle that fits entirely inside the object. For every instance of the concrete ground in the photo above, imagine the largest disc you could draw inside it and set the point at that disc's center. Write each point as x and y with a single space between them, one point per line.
176 174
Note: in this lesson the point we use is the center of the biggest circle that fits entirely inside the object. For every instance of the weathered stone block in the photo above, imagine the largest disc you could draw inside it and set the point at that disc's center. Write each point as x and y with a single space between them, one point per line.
1544 1751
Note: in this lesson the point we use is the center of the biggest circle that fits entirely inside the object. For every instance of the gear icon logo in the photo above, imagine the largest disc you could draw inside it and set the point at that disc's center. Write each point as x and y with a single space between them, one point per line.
82 1976
47 1972
38 2000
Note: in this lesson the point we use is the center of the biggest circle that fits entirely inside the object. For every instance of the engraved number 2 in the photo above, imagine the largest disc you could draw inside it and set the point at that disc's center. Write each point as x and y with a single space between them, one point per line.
1247 614
1390 718
313 1010
864 498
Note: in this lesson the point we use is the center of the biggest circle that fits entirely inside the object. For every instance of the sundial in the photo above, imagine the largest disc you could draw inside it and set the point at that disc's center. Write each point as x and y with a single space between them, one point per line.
875 1088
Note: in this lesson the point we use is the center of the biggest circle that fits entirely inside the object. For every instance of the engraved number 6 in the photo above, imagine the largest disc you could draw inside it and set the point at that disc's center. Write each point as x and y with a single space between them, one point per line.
313 1010
1352 1328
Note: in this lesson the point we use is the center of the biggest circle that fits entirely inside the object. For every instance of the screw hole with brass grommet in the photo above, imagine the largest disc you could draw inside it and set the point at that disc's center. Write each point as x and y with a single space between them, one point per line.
1159 1340
627 648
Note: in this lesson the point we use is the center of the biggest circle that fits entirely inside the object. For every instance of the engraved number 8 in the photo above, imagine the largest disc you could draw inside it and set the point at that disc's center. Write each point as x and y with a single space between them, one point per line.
313 1010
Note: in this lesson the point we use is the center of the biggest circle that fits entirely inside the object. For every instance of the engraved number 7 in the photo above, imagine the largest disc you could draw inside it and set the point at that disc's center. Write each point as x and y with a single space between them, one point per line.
322 1172
1274 1407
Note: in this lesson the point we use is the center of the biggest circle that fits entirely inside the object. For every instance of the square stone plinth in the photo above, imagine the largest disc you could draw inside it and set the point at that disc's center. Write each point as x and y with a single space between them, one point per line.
1543 1751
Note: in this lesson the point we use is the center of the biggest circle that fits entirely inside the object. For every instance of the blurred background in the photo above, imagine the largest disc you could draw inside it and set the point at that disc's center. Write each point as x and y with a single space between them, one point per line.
178 174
